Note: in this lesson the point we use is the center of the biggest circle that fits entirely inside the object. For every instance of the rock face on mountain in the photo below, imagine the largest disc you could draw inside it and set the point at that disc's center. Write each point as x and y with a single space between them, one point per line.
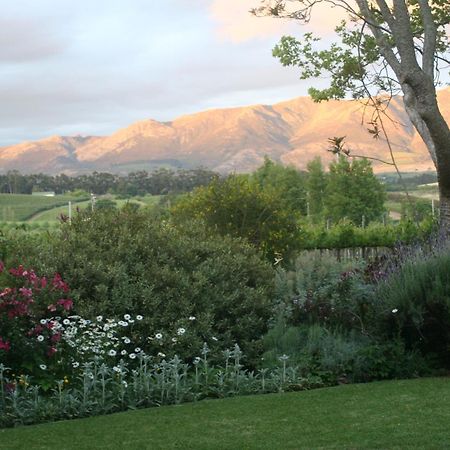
234 139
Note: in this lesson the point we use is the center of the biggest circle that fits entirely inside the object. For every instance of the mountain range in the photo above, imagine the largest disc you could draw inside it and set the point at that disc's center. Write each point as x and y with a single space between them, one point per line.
232 139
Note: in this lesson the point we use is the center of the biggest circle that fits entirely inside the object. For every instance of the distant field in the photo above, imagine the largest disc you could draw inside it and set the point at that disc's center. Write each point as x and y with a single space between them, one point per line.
53 214
36 209
20 208
396 199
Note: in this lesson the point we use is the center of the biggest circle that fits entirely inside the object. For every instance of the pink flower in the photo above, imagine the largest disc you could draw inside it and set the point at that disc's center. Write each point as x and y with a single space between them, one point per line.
51 351
7 291
4 345
26 292
58 283
55 338
36 330
17 272
51 307
66 303
2 266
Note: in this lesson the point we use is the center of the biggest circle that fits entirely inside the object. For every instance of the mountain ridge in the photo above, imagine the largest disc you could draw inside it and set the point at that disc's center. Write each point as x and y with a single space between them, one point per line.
230 139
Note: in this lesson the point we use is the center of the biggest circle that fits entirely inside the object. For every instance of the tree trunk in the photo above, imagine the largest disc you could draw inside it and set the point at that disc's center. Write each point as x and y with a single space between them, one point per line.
421 104
444 202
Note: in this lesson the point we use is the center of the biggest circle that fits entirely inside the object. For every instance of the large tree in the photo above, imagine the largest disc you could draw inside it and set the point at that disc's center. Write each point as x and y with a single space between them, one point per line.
353 192
385 45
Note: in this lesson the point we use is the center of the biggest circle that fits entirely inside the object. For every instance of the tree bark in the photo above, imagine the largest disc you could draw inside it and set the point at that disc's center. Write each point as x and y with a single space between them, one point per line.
421 104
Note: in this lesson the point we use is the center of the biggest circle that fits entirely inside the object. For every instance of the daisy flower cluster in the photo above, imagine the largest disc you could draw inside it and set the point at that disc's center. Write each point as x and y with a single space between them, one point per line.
102 337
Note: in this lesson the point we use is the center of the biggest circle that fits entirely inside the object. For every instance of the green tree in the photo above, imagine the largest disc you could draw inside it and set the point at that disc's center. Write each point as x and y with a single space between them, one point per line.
316 186
287 181
353 192
237 206
385 47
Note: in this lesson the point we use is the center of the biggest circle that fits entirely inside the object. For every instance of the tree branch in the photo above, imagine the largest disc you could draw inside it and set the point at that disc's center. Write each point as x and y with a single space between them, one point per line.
430 34
385 48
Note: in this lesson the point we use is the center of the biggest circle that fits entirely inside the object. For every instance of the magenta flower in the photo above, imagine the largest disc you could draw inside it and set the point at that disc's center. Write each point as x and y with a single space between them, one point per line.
66 303
4 345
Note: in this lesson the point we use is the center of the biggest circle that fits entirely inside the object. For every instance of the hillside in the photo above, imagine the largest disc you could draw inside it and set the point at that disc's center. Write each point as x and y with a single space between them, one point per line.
234 139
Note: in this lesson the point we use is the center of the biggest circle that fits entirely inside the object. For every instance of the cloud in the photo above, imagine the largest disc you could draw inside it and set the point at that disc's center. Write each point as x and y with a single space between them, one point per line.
27 40
236 24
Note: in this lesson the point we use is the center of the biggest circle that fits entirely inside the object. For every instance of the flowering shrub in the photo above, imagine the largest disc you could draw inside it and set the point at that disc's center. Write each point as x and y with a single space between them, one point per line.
126 262
29 342
112 340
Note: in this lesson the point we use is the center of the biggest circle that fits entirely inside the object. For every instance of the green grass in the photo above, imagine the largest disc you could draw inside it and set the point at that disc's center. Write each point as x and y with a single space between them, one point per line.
29 208
53 214
18 207
388 415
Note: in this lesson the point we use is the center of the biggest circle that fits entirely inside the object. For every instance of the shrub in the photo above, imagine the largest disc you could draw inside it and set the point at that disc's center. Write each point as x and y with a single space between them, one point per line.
320 289
125 262
415 302
240 207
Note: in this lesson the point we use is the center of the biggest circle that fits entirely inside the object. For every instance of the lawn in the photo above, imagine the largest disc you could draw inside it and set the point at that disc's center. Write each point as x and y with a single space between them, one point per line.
391 414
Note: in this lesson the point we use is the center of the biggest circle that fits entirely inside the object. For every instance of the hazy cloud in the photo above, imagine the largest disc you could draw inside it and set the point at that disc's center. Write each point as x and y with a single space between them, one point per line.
236 24
27 40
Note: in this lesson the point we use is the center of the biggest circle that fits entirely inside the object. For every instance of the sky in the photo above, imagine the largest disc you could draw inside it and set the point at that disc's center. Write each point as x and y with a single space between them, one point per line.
91 67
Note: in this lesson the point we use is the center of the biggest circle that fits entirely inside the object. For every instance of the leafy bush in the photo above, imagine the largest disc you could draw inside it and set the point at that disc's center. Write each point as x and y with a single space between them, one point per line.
415 302
320 289
126 262
338 356
329 322
240 207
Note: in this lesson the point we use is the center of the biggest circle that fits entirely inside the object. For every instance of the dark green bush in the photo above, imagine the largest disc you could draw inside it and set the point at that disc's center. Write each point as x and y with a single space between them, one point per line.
340 356
320 289
237 206
127 262
414 303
